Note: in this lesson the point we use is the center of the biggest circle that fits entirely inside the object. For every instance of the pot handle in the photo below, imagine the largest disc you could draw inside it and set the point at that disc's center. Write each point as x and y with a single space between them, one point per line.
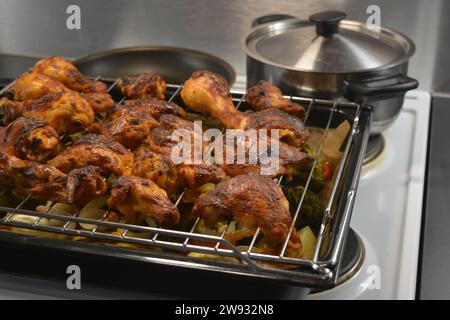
271 18
364 90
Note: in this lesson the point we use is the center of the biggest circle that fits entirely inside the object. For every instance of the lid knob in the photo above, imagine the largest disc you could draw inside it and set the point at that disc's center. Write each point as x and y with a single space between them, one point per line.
327 22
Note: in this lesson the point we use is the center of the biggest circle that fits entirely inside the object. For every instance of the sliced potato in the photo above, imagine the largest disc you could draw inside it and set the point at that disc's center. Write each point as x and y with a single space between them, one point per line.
308 241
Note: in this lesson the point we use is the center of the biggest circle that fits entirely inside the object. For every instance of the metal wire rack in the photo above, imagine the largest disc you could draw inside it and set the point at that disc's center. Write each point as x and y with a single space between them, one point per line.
320 271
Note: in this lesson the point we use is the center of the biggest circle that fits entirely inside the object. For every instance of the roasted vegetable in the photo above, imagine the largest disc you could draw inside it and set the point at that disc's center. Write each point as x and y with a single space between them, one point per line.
311 211
300 176
308 240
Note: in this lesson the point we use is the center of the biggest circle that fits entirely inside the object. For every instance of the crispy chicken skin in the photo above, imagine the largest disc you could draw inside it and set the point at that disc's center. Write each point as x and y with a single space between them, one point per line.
29 139
196 175
64 71
161 140
137 198
131 129
155 107
32 85
66 112
145 85
84 185
5 179
266 96
96 150
288 158
30 177
156 167
78 187
291 129
258 201
208 93
100 102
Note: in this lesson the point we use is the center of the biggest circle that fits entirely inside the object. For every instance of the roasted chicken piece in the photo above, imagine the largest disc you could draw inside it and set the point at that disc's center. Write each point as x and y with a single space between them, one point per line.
66 112
139 199
78 187
262 158
29 139
32 85
196 175
156 167
252 201
208 93
64 71
100 102
161 139
199 178
101 151
30 177
155 107
267 96
84 185
143 86
290 129
131 129
5 179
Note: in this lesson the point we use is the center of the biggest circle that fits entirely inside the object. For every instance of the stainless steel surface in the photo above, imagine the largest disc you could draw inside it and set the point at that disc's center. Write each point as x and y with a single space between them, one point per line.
38 28
174 64
294 44
433 281
320 271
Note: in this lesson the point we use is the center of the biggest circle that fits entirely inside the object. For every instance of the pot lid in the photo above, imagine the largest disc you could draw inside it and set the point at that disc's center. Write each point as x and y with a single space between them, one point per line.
327 44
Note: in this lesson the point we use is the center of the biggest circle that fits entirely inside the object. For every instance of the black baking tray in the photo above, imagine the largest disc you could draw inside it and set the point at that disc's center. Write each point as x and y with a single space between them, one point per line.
180 276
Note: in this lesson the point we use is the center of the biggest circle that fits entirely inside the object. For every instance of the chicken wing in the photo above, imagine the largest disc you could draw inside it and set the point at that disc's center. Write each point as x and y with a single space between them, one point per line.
131 129
78 187
66 112
143 86
208 93
253 201
84 185
29 139
161 139
100 102
154 107
138 198
32 85
272 162
158 168
37 179
64 71
96 150
266 96
290 129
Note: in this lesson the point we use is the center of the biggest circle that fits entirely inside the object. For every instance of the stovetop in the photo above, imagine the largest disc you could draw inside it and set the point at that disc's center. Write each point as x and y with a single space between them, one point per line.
386 216
388 210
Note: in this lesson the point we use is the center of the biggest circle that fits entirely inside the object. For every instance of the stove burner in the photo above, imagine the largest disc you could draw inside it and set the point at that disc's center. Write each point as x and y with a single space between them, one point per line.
375 148
352 259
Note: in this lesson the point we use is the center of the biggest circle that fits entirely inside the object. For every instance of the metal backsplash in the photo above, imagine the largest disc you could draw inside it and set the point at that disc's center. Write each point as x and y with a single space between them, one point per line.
38 27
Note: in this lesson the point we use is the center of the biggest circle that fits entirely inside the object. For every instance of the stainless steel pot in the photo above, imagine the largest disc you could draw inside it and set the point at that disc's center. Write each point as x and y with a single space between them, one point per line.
331 58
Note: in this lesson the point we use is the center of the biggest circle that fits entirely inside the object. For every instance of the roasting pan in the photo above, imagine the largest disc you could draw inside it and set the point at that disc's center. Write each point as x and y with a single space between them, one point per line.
158 266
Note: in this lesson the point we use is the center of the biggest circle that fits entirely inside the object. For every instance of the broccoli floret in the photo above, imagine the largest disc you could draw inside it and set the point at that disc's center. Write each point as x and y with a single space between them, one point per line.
300 175
311 211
